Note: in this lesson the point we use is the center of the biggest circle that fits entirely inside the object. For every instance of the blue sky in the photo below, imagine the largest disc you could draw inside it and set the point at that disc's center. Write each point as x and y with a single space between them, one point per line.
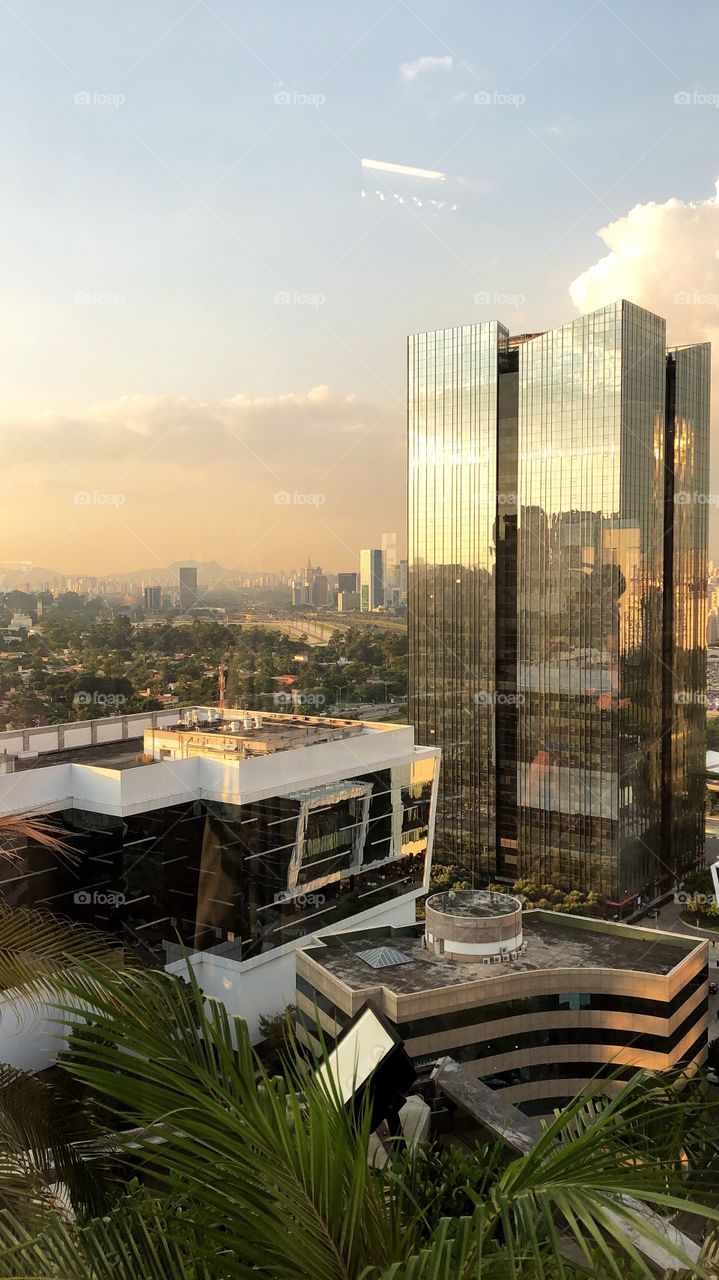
146 234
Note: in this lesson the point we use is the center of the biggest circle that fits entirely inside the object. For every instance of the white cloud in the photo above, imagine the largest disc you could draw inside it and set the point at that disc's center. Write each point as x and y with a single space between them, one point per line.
411 70
664 257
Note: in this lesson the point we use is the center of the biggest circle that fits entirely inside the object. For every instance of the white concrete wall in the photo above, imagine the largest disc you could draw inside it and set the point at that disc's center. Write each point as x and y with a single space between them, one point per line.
120 792
31 1034
266 984
45 789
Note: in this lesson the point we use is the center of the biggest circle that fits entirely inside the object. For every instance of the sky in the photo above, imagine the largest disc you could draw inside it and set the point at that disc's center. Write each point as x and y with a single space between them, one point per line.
205 298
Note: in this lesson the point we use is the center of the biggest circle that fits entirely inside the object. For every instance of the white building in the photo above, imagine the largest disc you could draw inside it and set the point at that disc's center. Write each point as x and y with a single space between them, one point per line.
225 836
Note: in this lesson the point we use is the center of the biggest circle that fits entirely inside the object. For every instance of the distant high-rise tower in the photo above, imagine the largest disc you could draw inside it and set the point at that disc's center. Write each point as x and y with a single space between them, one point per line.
153 599
389 552
371 580
557 612
319 590
188 588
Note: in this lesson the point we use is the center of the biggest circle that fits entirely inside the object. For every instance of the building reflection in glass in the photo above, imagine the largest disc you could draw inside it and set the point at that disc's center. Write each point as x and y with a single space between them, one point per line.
238 880
568 689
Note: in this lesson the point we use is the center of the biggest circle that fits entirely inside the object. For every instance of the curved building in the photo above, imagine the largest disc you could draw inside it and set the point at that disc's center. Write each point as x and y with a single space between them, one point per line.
536 1003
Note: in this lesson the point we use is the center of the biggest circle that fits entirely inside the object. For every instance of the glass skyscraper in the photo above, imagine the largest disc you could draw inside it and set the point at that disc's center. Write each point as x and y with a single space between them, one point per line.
557 567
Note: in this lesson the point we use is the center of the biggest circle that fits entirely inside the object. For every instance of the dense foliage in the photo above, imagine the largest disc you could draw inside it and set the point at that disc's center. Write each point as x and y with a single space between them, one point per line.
82 663
233 1173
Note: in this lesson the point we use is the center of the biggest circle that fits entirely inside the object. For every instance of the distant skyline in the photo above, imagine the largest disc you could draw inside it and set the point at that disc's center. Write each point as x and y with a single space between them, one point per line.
218 226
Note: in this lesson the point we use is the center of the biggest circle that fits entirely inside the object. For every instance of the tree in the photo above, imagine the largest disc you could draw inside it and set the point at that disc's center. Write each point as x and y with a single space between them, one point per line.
254 1177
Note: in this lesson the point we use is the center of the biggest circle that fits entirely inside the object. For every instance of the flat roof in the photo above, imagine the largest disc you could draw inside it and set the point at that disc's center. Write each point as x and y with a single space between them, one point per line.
273 731
554 941
127 754
119 739
474 903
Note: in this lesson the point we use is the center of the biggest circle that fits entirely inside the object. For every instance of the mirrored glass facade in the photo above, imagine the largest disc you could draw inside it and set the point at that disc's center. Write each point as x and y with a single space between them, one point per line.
453 390
557 597
237 880
688 380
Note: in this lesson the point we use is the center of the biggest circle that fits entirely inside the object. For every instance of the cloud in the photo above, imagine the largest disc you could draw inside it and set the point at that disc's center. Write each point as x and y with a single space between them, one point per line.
411 70
189 469
664 256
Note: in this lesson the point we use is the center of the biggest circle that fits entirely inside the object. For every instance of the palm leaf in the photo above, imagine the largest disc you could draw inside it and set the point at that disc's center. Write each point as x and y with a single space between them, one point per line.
28 826
38 951
276 1174
131 1243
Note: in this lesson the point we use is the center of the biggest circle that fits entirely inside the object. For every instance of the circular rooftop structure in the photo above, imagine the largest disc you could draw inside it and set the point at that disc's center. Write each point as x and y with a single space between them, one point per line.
474 925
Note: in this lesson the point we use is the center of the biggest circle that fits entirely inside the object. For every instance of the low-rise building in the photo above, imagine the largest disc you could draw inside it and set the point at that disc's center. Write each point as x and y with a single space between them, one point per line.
225 835
535 1003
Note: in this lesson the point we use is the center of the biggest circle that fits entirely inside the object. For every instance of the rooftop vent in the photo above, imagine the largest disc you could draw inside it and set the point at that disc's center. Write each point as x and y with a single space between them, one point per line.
383 957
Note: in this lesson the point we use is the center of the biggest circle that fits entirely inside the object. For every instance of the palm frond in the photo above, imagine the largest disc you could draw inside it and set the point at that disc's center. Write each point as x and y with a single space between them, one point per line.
47 1142
29 826
39 950
133 1242
282 1166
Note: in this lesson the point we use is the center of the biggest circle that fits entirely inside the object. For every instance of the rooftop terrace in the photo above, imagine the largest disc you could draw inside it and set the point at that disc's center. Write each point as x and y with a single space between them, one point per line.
116 742
554 942
243 733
